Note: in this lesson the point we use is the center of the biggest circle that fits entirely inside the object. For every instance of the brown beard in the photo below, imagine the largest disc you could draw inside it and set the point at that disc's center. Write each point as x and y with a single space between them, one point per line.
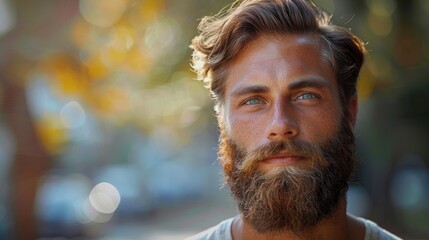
291 198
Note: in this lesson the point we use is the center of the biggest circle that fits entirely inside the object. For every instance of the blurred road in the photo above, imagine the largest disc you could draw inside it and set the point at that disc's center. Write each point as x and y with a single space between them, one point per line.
176 222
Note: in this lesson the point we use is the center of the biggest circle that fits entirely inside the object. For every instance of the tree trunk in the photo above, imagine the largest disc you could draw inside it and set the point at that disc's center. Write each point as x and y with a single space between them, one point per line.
30 163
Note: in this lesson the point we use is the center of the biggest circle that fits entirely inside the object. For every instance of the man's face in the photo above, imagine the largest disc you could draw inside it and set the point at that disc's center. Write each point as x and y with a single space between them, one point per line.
286 146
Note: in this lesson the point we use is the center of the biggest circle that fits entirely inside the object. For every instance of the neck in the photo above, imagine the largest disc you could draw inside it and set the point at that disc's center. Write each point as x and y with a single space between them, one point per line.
338 225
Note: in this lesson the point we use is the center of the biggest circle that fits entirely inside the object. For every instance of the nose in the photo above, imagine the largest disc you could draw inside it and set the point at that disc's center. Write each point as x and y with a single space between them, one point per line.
282 124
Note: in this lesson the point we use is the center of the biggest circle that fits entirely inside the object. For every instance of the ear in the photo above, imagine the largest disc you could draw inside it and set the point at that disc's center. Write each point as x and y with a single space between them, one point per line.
352 109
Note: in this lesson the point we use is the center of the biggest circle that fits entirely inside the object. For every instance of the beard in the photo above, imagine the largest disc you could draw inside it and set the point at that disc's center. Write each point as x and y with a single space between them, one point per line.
289 198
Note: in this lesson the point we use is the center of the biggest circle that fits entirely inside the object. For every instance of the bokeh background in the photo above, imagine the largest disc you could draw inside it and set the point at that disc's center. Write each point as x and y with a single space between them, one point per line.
106 134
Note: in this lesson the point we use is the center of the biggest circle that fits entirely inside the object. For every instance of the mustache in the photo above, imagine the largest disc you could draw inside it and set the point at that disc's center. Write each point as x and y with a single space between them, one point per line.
299 148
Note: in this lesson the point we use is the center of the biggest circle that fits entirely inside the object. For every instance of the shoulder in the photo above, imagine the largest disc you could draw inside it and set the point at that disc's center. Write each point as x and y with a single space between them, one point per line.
221 231
375 232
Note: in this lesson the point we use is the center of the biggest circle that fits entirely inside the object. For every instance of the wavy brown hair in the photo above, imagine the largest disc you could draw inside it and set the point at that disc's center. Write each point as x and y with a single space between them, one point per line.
224 35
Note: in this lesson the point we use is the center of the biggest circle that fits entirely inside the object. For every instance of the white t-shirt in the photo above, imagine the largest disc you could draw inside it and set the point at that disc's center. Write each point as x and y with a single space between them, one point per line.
222 231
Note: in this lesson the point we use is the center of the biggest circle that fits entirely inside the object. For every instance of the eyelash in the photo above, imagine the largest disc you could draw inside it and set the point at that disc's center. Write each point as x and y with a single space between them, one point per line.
246 102
313 96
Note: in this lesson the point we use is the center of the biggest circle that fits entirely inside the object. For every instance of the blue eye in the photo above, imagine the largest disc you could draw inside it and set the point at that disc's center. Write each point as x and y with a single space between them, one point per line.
253 101
306 96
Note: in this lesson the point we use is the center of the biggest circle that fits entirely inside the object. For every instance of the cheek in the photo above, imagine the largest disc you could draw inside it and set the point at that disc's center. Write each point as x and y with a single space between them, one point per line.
246 131
320 125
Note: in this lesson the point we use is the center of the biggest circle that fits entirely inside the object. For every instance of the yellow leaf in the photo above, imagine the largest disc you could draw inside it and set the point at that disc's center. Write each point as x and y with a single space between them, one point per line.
96 69
52 134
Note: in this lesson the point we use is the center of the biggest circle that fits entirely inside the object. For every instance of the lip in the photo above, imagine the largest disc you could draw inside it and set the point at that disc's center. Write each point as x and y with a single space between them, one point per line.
282 159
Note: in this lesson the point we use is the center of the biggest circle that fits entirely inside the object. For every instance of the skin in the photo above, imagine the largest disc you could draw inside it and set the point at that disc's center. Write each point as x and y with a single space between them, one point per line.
281 88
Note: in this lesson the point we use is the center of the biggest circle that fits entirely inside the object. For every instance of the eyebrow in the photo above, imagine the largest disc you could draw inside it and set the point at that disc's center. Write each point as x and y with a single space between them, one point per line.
250 89
315 82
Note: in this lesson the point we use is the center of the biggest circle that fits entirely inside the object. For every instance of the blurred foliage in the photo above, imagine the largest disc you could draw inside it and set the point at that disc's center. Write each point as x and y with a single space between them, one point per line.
125 61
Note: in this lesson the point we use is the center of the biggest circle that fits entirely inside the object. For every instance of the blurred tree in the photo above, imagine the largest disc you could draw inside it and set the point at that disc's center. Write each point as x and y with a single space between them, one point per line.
126 61
31 159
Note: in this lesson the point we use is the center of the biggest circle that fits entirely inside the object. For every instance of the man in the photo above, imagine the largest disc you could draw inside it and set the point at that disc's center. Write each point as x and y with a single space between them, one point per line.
284 83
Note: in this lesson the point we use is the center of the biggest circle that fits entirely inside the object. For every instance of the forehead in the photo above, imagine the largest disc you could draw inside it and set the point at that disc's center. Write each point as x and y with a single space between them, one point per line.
277 45
280 58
